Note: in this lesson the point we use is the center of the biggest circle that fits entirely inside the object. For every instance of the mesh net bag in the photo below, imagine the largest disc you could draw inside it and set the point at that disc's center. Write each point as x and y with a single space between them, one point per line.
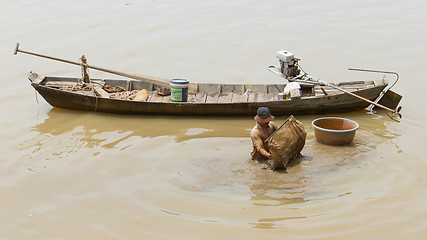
287 143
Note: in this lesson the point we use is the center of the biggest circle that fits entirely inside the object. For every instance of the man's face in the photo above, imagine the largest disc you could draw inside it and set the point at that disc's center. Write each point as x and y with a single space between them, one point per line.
263 124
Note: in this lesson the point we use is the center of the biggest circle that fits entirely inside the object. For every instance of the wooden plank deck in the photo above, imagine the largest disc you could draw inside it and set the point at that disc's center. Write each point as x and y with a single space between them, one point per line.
234 94
150 96
167 98
60 84
225 98
239 98
197 98
156 98
212 98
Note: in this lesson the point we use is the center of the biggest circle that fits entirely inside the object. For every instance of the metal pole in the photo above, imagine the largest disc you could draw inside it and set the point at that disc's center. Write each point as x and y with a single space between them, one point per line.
266 140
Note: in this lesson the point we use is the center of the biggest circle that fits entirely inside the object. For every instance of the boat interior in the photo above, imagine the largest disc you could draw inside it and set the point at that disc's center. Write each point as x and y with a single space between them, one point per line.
213 93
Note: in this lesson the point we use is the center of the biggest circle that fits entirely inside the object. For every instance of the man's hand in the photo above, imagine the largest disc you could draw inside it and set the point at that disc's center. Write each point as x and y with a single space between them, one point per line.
265 153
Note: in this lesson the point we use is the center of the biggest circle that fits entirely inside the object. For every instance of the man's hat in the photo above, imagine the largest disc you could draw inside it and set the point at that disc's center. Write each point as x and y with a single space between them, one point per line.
263 115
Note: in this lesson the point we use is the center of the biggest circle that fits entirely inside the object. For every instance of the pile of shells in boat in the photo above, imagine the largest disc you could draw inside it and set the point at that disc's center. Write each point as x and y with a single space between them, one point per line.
126 95
110 89
81 86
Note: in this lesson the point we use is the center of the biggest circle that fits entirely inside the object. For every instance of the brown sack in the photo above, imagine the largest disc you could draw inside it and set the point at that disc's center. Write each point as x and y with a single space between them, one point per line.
287 143
141 95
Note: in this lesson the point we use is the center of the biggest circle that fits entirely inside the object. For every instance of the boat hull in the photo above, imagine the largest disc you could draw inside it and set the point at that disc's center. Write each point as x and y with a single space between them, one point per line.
339 102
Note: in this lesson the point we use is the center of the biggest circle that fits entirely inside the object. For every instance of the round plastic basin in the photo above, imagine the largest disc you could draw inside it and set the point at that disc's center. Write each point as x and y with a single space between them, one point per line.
334 130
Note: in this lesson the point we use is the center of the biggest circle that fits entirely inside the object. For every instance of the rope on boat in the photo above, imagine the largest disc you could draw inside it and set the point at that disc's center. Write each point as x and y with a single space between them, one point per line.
35 93
85 82
96 102
85 69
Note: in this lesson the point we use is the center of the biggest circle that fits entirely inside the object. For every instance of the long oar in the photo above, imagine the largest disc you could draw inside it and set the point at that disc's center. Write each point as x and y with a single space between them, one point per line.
153 80
352 94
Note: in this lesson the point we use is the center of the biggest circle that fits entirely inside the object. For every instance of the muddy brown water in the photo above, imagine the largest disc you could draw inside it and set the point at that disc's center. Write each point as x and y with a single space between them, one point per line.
83 175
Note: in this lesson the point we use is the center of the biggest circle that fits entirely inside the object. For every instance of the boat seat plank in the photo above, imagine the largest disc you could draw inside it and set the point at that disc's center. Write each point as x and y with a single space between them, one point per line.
238 98
118 83
352 88
86 93
356 83
193 88
257 88
197 98
276 88
67 84
225 98
167 98
259 97
156 98
192 98
139 85
232 88
201 97
60 84
209 88
320 91
99 91
150 96
253 97
266 97
275 97
332 91
212 98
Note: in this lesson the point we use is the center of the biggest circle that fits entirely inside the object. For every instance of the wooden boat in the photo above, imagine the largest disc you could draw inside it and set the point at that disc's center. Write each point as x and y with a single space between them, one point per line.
208 99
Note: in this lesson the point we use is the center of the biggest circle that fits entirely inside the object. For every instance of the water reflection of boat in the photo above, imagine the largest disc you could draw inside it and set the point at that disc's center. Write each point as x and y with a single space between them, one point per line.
64 132
60 121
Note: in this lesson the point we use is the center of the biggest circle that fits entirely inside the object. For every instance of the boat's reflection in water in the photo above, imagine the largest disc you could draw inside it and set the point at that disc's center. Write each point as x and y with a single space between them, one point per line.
205 154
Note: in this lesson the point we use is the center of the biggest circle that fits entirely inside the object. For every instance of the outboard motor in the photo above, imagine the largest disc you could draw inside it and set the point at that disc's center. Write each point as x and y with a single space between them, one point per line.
288 64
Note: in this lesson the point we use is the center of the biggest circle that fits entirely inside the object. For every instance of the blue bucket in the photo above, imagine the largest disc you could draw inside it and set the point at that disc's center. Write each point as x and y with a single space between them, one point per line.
179 90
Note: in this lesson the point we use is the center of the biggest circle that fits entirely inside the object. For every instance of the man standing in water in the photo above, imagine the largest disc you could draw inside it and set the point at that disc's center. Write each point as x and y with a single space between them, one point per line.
262 130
